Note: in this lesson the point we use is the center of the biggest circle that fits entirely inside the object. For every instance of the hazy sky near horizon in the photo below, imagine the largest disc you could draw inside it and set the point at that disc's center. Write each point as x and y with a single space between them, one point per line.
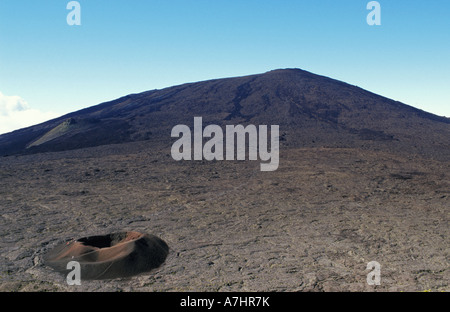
48 68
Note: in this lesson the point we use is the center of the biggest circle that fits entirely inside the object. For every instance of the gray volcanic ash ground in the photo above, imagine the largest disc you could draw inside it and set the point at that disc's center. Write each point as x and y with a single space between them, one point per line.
313 224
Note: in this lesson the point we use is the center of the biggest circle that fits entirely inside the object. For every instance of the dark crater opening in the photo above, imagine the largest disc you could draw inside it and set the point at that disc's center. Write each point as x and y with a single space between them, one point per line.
97 241
109 240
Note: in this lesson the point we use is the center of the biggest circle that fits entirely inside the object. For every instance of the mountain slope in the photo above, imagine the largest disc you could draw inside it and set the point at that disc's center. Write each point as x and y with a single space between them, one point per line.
311 110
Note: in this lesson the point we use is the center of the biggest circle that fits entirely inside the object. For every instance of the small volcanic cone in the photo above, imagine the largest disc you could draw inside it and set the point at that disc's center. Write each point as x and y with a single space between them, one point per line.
110 256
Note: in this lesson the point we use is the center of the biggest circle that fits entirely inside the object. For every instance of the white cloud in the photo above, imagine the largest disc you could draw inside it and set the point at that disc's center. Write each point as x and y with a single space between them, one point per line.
15 113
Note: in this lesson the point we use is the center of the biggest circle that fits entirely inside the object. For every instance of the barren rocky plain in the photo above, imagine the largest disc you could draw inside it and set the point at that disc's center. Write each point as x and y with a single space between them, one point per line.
311 225
361 178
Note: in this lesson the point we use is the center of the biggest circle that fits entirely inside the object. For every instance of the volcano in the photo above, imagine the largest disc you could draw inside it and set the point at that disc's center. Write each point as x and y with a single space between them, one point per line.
311 110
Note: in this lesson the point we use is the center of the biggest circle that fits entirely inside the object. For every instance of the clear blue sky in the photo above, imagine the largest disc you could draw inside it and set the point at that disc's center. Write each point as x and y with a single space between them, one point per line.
125 47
